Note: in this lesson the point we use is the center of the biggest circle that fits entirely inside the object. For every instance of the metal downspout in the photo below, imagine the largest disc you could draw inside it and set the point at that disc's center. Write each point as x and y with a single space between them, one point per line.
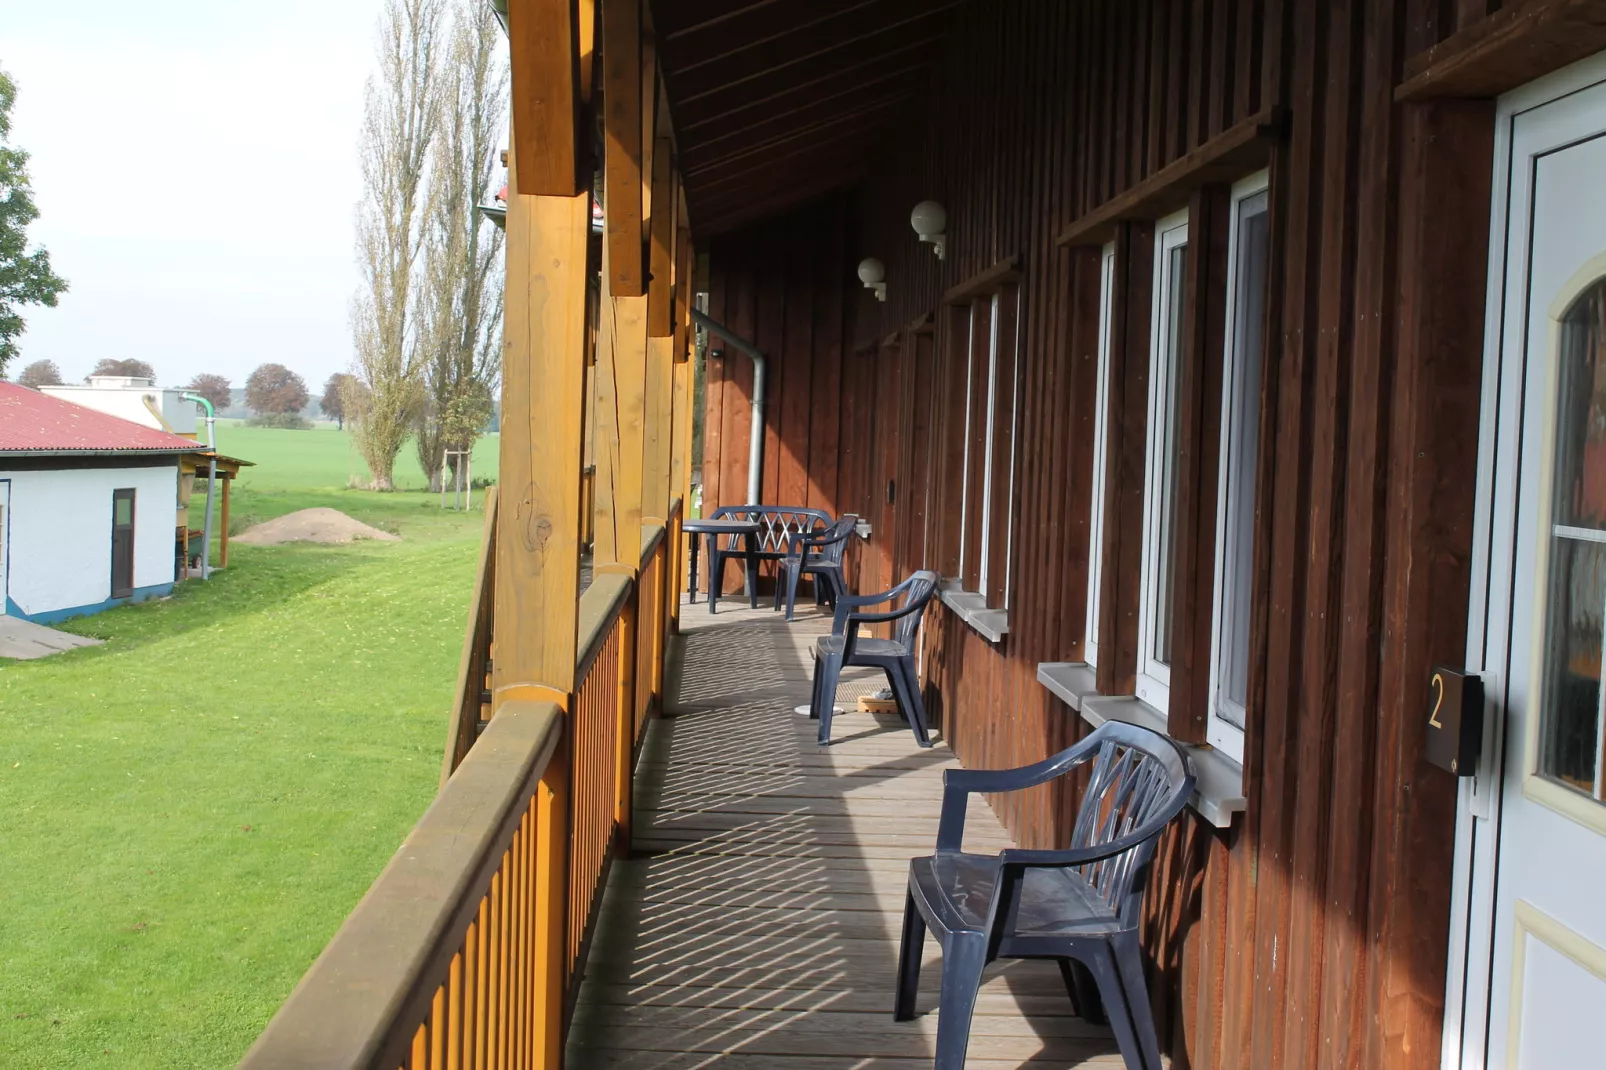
755 445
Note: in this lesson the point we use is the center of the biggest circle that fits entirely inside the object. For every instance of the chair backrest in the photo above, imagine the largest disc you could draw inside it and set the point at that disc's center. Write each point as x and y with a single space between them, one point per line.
836 539
775 522
922 585
1138 777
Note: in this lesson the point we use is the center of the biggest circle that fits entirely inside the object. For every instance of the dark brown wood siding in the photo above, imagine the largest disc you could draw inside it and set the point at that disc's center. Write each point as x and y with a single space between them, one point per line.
1313 932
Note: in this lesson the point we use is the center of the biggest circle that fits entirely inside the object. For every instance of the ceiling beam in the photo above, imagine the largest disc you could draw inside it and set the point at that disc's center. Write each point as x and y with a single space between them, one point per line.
622 146
822 131
544 41
892 23
704 152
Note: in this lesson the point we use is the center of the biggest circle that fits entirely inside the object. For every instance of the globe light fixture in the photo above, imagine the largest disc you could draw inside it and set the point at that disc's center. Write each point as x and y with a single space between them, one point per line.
930 220
873 273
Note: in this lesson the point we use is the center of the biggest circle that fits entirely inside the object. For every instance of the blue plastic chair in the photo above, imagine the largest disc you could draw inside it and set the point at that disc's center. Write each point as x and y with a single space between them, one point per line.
895 656
818 554
1079 906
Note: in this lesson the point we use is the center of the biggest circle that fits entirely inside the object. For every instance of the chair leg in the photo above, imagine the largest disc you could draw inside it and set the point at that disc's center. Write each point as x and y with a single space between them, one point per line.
1083 990
814 695
915 706
1128 956
791 592
909 954
830 671
962 962
716 576
781 569
1113 993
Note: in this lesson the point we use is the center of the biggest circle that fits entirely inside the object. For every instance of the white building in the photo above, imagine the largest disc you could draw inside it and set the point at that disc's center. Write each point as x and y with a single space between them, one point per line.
90 509
133 398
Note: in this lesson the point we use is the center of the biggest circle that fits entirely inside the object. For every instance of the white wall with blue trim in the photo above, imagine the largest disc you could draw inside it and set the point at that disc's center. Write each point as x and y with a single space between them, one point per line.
58 538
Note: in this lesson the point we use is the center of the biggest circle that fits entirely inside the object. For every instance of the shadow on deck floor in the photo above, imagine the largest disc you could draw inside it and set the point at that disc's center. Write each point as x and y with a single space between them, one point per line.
757 924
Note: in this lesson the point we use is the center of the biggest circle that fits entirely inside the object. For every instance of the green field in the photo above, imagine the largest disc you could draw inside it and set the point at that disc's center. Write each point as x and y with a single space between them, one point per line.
325 457
188 812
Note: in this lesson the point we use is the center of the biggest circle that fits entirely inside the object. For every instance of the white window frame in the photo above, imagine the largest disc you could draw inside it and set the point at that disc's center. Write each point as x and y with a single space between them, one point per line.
990 428
1240 412
1095 539
1154 677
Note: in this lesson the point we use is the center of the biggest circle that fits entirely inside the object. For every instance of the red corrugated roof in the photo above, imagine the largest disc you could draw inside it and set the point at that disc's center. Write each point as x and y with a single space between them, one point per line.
31 422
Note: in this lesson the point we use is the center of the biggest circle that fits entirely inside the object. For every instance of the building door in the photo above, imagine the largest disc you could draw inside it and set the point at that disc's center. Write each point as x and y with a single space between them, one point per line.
5 543
885 487
1533 837
122 543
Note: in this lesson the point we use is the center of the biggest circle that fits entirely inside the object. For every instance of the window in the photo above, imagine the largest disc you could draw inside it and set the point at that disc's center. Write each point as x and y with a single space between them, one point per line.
984 334
1160 463
1571 740
1247 253
1095 544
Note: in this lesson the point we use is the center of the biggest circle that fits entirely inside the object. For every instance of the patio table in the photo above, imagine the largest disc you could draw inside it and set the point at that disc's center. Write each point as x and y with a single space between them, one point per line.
713 529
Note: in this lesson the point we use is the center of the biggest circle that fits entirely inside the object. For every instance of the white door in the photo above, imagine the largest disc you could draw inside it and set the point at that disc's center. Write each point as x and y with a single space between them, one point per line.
1534 970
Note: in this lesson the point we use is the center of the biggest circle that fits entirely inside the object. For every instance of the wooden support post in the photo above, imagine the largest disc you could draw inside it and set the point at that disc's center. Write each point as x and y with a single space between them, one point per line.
621 393
622 137
223 533
544 42
543 403
657 431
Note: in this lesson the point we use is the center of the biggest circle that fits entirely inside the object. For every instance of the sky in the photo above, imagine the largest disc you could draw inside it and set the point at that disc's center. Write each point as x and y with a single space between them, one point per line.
195 167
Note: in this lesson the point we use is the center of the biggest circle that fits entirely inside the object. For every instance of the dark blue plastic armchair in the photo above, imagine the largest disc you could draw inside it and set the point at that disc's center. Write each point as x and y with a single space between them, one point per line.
895 656
1079 905
820 555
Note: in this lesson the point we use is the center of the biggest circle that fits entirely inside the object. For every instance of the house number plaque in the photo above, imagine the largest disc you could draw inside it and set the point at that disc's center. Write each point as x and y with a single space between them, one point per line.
1455 721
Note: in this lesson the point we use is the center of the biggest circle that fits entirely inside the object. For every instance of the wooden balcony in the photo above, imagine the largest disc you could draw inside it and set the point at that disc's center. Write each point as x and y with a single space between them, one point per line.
756 922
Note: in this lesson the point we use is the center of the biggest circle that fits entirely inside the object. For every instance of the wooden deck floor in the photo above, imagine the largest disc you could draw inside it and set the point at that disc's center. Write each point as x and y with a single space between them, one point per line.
757 924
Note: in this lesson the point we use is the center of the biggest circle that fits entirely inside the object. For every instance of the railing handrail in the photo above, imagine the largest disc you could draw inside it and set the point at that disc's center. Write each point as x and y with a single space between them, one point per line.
357 1006
651 535
600 606
463 724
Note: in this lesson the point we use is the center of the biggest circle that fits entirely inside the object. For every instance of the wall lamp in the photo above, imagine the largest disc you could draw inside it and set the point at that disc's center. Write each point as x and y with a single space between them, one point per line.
873 273
929 220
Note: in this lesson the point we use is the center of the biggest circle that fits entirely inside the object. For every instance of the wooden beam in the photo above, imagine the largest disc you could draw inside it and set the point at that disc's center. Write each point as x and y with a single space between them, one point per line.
684 295
660 310
876 52
539 531
621 393
544 42
985 281
1508 48
702 156
1238 151
754 122
889 23
623 210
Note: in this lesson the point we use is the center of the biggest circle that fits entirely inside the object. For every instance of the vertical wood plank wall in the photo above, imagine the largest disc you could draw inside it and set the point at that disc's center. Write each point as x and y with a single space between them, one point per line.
1313 932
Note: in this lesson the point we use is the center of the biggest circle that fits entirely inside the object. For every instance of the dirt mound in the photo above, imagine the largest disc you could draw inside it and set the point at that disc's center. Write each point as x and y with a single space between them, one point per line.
312 525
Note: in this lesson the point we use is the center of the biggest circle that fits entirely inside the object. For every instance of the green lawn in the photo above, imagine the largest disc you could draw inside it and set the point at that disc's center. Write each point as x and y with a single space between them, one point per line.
188 812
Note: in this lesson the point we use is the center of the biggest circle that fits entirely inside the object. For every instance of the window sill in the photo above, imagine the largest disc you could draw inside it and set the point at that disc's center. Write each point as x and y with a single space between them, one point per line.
971 608
1070 680
1218 791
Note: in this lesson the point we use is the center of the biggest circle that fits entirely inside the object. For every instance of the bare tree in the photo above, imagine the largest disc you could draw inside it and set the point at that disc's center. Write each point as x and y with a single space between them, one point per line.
40 373
401 117
462 249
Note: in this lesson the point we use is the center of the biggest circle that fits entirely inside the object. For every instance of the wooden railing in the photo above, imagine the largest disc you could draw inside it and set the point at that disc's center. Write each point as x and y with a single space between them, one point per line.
471 702
439 967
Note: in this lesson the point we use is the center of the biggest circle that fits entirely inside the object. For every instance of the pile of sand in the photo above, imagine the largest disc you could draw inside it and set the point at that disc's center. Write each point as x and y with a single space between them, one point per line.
312 525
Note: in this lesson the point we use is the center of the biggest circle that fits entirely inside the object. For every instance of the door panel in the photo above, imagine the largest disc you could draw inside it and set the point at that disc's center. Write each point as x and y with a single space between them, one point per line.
122 543
1544 970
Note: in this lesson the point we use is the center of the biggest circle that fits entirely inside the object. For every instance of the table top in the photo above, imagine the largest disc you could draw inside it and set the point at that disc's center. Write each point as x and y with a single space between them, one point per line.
705 525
